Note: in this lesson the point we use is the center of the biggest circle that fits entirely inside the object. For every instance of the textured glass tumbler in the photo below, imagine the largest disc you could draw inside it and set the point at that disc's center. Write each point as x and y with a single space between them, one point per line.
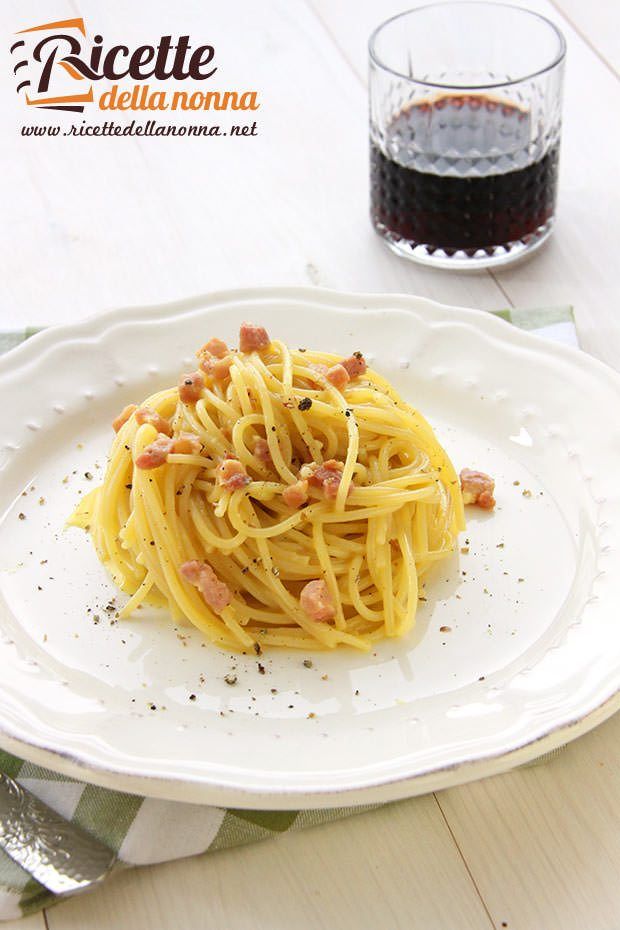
465 118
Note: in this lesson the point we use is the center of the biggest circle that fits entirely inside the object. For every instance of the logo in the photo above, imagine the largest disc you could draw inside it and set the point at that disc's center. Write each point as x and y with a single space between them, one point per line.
39 54
57 67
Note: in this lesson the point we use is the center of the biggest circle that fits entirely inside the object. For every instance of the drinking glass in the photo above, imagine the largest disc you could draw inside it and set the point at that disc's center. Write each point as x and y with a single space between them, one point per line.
465 119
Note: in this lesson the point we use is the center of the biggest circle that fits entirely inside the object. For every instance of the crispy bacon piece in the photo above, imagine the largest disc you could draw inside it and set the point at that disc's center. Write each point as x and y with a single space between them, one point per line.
261 450
146 415
123 416
338 376
316 601
232 475
155 454
216 593
187 444
191 387
253 338
215 347
327 476
296 494
477 488
355 365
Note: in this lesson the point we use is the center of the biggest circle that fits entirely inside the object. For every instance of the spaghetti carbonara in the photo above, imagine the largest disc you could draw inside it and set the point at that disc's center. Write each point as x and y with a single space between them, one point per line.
276 497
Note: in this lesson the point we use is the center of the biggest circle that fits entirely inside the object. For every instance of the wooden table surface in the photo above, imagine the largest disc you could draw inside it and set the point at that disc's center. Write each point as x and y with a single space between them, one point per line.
97 223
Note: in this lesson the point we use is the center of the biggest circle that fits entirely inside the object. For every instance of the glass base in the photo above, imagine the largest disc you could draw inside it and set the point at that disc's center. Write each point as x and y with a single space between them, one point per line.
491 257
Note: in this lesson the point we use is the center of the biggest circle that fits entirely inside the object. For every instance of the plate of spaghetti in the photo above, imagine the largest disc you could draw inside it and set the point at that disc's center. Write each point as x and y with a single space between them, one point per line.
291 548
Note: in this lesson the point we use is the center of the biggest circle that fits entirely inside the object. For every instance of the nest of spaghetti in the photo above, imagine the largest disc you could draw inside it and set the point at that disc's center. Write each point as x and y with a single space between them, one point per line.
276 497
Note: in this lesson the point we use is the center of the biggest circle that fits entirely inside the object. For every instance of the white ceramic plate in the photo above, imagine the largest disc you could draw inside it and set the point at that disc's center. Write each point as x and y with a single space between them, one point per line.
517 649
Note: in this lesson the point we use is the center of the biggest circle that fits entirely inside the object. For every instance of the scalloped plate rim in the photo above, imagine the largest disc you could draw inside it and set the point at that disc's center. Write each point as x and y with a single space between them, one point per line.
389 787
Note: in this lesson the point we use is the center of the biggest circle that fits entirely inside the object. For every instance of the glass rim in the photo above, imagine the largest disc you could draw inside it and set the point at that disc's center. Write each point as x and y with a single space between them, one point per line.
375 59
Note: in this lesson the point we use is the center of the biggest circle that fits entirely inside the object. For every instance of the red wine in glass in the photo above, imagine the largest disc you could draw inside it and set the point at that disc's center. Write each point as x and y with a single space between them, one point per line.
460 173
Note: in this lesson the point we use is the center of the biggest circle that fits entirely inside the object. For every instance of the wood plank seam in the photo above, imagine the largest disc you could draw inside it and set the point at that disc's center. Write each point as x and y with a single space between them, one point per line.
464 860
501 287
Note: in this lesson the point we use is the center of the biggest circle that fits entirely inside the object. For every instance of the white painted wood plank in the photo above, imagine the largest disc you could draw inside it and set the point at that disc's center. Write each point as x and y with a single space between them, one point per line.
395 867
94 223
599 24
543 844
579 265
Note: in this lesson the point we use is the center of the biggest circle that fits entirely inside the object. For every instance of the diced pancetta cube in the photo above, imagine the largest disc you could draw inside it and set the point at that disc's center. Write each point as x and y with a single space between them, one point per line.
232 475
355 364
338 376
146 415
261 449
296 494
326 476
187 444
221 368
216 593
253 338
218 368
325 472
330 487
123 416
215 347
316 601
191 387
155 454
477 488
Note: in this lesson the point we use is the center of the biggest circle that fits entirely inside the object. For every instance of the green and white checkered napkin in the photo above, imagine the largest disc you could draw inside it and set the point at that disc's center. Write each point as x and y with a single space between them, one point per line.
143 831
